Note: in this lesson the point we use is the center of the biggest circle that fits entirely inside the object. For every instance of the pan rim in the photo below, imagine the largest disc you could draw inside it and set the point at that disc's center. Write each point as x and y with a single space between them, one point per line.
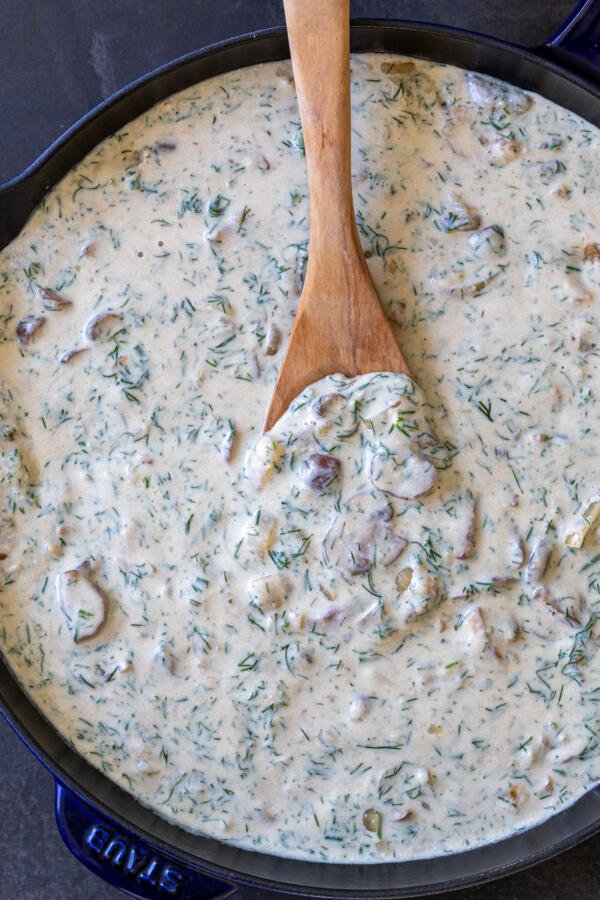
62 763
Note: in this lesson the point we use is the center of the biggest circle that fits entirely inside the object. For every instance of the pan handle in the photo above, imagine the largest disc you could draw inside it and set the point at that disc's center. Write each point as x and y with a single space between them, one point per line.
126 862
576 44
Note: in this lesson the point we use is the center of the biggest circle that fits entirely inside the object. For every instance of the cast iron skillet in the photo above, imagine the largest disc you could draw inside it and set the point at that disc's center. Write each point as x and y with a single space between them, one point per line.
107 830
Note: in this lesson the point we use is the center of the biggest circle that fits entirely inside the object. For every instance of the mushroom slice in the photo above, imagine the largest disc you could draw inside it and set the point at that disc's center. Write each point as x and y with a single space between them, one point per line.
470 290
591 253
228 442
82 603
500 151
318 471
517 795
539 560
166 658
51 299
407 476
333 616
258 538
516 550
93 327
418 592
268 593
403 579
27 327
590 517
362 536
395 310
330 406
473 629
68 355
466 544
272 341
88 248
263 460
298 659
569 607
160 147
488 92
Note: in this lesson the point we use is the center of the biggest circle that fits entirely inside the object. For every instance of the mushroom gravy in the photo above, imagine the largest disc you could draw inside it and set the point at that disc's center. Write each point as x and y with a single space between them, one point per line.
372 633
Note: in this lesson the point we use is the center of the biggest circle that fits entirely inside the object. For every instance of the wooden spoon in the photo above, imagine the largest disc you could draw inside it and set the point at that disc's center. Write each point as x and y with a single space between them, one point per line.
340 325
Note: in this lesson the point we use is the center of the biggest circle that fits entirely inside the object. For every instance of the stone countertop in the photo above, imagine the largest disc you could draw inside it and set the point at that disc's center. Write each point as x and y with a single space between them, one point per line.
59 58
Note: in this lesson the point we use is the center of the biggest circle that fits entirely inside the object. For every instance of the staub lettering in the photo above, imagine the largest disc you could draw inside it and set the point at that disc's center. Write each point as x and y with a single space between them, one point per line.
140 865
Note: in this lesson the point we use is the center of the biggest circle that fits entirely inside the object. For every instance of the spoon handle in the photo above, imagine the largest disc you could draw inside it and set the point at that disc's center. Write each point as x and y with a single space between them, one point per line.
340 325
319 36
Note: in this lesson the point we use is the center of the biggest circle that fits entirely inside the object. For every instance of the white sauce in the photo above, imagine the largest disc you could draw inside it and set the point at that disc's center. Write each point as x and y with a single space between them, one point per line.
371 634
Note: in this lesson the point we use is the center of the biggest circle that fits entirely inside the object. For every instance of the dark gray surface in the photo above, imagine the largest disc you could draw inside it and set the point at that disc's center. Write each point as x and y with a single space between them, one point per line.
58 58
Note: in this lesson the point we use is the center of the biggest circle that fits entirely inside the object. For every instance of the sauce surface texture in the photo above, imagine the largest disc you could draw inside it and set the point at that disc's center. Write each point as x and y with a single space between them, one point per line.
371 634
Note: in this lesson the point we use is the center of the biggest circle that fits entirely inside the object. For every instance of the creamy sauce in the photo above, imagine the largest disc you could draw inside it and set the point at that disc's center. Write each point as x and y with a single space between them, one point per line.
371 634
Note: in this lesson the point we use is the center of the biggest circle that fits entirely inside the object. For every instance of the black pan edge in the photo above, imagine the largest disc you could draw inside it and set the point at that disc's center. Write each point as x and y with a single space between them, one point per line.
530 69
535 70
